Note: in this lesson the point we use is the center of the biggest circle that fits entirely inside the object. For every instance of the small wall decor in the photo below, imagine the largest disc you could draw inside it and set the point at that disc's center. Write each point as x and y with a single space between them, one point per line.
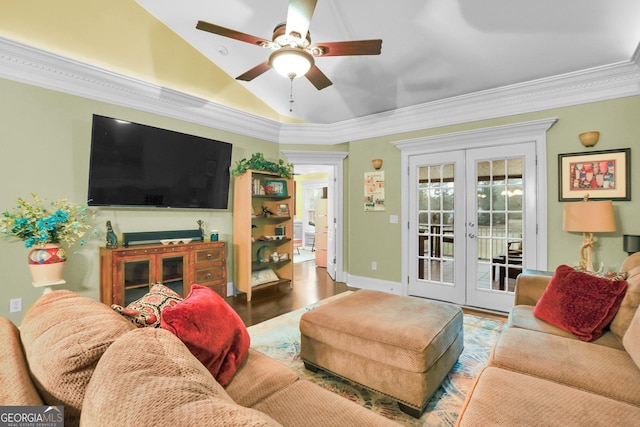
374 191
589 139
604 175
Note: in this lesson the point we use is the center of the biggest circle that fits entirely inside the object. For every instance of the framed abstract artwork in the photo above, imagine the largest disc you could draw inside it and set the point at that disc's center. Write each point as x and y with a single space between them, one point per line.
602 175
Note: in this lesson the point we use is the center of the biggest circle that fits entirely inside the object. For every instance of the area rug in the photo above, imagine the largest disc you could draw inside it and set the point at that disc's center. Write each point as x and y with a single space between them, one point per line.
303 256
279 338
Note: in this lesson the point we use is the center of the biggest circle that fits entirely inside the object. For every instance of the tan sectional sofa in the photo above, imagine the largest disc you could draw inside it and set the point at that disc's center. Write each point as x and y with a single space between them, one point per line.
81 354
539 374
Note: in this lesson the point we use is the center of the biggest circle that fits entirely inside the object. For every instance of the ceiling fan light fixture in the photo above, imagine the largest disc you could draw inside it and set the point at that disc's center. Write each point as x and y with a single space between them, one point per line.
291 62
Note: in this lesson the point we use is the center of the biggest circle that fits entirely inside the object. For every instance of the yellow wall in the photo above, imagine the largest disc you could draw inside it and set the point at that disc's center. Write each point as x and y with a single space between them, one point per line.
130 41
299 195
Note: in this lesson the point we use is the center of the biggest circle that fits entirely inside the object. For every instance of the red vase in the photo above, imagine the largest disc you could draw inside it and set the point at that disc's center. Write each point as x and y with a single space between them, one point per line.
46 264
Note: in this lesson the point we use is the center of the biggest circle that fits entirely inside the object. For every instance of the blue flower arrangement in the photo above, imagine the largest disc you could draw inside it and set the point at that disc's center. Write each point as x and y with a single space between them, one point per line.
43 222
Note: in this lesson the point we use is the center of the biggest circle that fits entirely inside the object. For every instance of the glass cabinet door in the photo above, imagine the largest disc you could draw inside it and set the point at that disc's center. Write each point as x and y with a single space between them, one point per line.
173 272
136 277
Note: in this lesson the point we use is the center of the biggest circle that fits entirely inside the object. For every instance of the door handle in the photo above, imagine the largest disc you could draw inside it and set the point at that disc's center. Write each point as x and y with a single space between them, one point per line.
472 236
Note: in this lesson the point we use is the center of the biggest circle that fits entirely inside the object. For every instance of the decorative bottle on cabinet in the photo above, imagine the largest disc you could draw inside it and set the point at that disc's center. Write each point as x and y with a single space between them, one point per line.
262 231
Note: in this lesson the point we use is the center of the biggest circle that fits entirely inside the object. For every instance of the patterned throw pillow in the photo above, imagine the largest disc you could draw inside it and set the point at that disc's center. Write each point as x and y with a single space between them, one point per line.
145 312
610 275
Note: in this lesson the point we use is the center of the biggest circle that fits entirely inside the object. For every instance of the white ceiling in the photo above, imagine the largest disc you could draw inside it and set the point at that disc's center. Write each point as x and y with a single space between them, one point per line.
432 49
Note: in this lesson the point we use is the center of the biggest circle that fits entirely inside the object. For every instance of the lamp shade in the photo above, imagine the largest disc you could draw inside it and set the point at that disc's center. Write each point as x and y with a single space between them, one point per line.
291 62
631 243
589 217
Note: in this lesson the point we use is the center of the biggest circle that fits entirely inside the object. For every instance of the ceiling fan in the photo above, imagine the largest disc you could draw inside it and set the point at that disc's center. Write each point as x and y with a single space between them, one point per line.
293 52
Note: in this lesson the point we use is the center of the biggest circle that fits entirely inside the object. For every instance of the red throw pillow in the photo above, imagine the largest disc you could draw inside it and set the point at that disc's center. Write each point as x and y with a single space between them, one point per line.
580 303
211 330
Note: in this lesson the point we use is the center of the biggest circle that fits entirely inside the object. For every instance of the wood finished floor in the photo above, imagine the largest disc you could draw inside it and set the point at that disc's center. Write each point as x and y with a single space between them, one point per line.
312 284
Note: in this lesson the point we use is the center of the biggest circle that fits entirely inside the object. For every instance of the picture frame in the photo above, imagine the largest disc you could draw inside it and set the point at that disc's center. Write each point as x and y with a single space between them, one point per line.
275 187
603 175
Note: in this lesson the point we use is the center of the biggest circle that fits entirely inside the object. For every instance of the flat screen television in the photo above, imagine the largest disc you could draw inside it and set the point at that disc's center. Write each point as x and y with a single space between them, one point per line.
143 166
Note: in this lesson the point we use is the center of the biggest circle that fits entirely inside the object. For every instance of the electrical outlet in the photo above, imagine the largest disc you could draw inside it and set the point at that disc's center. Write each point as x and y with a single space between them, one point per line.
15 305
374 265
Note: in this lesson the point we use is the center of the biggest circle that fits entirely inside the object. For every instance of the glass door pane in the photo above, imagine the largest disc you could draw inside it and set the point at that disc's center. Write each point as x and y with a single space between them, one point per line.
435 223
499 218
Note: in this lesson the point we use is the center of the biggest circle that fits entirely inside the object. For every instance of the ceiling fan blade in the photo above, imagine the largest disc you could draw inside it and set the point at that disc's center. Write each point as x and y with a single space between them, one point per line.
299 16
317 78
255 72
356 47
233 34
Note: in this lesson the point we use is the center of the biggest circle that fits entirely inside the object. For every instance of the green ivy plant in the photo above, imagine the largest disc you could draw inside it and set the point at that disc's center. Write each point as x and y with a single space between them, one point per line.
259 163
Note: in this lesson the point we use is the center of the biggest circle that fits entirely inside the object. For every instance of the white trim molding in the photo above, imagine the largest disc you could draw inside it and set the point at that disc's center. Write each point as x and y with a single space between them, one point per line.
374 284
38 67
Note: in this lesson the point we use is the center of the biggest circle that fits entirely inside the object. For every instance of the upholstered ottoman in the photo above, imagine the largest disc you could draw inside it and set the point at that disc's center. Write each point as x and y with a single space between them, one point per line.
400 346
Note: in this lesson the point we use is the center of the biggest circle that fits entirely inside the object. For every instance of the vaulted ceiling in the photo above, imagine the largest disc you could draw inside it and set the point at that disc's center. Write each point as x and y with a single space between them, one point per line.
432 50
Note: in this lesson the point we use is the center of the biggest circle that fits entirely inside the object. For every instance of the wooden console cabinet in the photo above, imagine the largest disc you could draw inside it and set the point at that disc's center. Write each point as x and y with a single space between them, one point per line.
262 227
127 273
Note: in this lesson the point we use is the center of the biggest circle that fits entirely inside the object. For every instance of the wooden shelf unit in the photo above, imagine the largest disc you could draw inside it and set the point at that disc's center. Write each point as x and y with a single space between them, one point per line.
127 273
249 225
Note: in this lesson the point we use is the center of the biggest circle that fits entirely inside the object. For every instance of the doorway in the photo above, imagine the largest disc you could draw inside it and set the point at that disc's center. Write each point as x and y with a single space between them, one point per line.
332 162
469 224
476 214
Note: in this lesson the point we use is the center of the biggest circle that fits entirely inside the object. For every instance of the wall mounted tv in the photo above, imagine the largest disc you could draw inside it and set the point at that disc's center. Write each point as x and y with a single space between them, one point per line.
143 166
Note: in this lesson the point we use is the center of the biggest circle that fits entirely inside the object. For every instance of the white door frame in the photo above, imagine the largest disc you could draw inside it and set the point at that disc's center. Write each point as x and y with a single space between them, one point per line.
336 193
532 131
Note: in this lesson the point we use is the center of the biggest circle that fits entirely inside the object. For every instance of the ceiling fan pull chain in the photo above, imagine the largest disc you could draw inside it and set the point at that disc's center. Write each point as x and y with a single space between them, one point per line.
291 97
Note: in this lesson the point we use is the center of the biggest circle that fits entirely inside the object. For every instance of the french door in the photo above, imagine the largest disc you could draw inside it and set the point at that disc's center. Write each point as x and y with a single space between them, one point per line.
472 224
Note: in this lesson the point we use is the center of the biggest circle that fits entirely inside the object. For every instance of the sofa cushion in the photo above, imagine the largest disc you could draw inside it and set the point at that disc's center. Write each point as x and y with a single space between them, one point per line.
259 377
17 388
580 303
211 329
148 377
631 300
145 312
594 368
303 404
64 335
504 398
521 316
631 339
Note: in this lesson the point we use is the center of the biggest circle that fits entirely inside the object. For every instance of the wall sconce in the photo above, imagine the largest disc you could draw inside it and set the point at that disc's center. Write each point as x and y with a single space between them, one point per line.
589 139
588 218
377 163
631 244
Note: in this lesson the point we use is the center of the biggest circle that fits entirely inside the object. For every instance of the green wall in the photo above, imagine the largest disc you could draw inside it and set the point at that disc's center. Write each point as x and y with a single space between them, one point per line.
372 237
45 149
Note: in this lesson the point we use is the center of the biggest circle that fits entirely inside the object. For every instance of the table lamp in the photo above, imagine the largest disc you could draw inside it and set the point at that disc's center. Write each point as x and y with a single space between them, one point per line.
588 217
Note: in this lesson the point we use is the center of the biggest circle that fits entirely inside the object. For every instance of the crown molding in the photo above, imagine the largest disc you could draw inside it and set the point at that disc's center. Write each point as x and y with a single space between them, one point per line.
37 67
592 85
